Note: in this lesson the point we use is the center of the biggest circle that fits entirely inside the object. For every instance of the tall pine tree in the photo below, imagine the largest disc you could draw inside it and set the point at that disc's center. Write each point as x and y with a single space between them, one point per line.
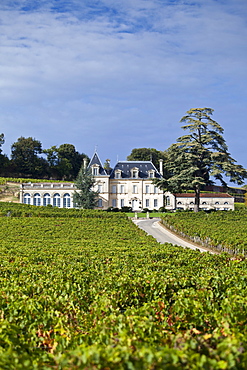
198 155
85 197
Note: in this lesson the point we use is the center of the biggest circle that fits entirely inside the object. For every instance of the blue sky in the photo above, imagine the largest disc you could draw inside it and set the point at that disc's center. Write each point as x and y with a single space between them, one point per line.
120 74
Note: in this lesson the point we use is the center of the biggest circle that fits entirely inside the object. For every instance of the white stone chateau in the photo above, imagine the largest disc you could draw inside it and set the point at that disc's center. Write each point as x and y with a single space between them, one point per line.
128 184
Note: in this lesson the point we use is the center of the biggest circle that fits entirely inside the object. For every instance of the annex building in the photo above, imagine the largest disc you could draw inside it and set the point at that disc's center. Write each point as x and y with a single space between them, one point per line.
128 184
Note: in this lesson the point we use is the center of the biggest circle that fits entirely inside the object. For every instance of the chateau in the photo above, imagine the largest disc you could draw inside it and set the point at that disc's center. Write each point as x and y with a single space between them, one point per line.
128 184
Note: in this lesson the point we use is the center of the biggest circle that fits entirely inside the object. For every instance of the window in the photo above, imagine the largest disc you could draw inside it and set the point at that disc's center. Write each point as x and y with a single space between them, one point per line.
56 200
147 189
204 202
100 203
217 203
114 189
155 190
100 188
135 189
191 202
121 189
114 203
151 174
155 203
66 201
179 202
47 199
118 174
168 201
226 203
147 203
95 171
36 199
122 203
27 198
134 172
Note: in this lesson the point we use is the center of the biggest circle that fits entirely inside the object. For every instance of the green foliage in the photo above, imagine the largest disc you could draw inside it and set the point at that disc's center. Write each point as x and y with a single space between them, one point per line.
147 154
85 197
223 230
64 161
1 142
95 292
198 155
20 180
24 155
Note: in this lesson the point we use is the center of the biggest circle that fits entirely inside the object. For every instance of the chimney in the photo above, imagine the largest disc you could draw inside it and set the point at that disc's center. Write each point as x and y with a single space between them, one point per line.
85 162
161 166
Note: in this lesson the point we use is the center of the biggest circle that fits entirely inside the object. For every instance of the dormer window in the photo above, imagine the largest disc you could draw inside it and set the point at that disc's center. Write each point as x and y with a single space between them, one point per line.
118 174
135 173
151 174
95 170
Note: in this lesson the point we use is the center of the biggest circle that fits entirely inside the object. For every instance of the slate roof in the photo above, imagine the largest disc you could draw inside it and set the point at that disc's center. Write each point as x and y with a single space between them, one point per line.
143 166
95 160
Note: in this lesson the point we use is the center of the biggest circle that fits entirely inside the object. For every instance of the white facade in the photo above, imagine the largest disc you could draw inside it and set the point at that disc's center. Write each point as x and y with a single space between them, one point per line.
135 193
41 194
208 201
128 184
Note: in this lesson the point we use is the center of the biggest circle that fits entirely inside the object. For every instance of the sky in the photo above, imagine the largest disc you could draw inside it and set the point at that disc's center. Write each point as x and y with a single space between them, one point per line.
113 75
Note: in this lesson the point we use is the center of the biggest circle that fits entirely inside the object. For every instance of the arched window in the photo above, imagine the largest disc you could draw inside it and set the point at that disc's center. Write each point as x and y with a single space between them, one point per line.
191 202
226 203
66 200
27 198
217 203
168 201
204 202
36 199
56 200
179 203
47 199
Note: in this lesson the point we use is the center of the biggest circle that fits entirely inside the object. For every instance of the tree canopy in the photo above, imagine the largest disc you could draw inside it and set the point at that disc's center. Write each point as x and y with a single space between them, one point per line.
85 197
147 154
199 155
64 161
25 157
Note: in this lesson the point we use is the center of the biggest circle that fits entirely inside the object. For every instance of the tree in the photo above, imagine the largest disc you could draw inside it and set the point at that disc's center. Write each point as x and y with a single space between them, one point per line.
1 142
198 155
3 158
25 159
64 161
86 197
147 154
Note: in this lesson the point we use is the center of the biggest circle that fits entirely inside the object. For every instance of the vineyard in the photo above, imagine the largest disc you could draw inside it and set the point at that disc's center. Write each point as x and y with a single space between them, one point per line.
222 231
19 180
89 290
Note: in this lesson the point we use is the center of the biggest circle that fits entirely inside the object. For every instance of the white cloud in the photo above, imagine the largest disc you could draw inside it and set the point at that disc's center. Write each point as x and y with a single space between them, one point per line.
129 67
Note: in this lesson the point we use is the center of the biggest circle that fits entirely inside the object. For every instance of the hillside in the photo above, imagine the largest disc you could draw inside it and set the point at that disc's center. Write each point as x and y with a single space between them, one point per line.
9 192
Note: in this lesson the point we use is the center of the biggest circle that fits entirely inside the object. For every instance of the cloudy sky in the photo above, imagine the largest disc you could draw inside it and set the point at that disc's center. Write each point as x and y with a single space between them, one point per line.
119 74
